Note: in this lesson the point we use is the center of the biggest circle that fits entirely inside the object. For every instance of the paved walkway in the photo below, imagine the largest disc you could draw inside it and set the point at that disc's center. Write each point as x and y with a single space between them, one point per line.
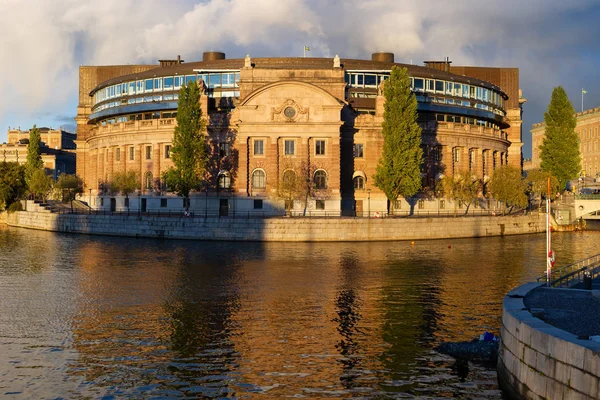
574 310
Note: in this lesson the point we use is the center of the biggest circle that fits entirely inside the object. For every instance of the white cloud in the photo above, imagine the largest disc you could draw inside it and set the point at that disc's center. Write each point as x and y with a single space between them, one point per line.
44 41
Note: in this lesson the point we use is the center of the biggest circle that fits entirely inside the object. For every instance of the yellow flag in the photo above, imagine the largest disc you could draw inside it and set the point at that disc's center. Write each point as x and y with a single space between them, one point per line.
306 48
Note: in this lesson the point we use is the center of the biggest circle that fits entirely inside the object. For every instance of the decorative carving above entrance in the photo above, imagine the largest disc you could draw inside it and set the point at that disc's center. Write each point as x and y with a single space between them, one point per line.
289 111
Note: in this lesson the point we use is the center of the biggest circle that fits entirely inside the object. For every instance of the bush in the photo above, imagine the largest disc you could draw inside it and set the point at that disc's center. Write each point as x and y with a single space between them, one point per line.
16 206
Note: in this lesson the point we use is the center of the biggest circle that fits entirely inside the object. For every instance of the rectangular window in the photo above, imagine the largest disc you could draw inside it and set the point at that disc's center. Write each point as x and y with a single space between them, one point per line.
370 80
358 150
430 85
456 155
439 86
421 204
157 83
397 204
320 204
118 154
190 78
214 80
148 152
457 91
131 153
258 204
442 204
168 83
419 84
449 88
149 85
289 148
259 147
224 150
320 147
168 151
360 79
163 203
178 81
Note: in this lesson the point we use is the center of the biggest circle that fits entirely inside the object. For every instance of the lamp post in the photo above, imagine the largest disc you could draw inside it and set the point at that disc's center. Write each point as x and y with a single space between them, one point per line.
369 202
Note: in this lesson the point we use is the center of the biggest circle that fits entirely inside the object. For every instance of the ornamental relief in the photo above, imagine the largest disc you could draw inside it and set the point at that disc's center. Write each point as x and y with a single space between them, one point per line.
289 111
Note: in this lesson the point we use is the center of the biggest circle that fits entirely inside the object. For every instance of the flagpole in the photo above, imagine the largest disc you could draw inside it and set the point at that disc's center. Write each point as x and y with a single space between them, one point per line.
548 233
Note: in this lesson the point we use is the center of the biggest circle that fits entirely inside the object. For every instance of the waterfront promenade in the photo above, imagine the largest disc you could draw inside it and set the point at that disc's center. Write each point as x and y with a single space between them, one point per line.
551 342
296 229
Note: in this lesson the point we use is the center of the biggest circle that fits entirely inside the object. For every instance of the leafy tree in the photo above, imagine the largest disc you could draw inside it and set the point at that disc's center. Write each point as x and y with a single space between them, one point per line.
40 184
398 172
34 156
12 183
538 182
126 183
461 187
296 184
70 186
560 149
189 150
508 186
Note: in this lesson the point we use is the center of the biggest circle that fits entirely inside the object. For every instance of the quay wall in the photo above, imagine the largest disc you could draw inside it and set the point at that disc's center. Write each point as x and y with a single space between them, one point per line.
539 361
277 229
3 217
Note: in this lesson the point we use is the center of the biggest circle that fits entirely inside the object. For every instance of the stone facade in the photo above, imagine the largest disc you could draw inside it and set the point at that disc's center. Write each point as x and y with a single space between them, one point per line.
587 126
312 118
57 150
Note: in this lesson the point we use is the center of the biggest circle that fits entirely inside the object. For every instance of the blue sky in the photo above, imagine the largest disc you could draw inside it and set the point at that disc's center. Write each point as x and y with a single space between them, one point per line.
43 42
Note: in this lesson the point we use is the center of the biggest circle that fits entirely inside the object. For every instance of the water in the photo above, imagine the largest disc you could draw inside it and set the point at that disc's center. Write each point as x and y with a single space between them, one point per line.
110 318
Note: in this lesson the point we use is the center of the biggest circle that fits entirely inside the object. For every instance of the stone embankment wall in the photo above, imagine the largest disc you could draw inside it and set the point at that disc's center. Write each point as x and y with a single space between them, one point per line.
277 229
3 217
539 361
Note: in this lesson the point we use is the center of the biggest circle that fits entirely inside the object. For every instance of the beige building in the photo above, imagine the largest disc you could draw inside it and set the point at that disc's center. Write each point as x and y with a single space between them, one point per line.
57 149
271 119
588 122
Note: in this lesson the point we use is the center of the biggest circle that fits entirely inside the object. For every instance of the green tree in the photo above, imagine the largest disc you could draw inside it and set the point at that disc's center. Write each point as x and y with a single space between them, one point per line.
560 149
538 182
189 149
40 184
398 172
462 187
12 183
126 183
34 155
508 186
70 186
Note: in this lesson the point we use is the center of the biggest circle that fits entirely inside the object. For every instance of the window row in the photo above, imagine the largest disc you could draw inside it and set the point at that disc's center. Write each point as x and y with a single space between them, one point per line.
465 120
588 133
460 102
221 79
147 152
137 100
143 86
456 89
289 179
289 147
139 117
360 79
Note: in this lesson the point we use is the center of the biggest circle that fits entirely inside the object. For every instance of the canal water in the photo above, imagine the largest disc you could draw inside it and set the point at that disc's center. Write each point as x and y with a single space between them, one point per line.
98 317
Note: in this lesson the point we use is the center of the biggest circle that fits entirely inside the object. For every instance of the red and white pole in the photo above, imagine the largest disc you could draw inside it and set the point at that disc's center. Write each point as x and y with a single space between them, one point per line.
549 257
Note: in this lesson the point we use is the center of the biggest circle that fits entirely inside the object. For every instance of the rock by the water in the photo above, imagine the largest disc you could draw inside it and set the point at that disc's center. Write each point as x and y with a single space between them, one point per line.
475 350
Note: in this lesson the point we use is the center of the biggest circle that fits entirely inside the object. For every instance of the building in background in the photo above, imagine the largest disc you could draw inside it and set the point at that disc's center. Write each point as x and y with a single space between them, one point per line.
272 119
57 149
588 122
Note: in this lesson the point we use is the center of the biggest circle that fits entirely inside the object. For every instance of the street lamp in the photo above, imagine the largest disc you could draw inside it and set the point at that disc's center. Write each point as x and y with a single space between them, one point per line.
369 202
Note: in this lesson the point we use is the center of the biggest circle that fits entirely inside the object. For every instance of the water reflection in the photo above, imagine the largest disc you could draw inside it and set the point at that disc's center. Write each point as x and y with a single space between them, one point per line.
88 316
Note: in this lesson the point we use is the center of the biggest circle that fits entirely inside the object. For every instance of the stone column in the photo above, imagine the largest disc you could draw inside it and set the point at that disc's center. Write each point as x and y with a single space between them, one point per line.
156 160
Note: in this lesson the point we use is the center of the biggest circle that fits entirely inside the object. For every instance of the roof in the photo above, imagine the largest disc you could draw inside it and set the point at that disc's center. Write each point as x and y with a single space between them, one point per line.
294 63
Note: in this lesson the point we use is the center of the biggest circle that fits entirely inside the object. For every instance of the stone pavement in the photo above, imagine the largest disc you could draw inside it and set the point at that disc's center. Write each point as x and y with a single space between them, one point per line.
574 310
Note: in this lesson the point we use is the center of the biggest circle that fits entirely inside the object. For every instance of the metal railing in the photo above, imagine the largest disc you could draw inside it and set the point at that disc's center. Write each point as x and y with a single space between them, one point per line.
573 274
278 213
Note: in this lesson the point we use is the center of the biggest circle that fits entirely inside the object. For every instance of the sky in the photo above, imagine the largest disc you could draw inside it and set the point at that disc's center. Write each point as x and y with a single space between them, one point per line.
43 42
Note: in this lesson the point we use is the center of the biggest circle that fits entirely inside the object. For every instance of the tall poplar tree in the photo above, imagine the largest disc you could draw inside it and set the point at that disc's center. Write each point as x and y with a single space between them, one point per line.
34 155
560 149
189 150
399 169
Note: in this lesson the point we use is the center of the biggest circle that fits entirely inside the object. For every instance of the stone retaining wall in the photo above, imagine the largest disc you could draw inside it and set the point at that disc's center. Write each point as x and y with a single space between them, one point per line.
3 217
539 361
277 229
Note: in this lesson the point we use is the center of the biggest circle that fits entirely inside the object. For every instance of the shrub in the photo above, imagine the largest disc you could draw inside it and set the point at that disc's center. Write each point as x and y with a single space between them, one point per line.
16 206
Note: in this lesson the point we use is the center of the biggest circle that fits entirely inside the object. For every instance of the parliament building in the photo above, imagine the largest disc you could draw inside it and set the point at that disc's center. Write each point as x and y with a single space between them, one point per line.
269 119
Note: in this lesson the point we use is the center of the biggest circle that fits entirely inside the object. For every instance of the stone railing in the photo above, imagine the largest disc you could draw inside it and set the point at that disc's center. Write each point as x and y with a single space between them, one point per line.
131 126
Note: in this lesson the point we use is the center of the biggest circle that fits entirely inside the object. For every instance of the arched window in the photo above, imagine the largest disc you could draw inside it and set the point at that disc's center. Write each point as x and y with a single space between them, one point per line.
359 183
259 179
359 179
288 179
320 179
224 180
148 180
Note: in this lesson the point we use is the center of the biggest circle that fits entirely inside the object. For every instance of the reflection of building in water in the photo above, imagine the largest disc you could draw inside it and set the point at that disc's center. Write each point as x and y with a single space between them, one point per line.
57 149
